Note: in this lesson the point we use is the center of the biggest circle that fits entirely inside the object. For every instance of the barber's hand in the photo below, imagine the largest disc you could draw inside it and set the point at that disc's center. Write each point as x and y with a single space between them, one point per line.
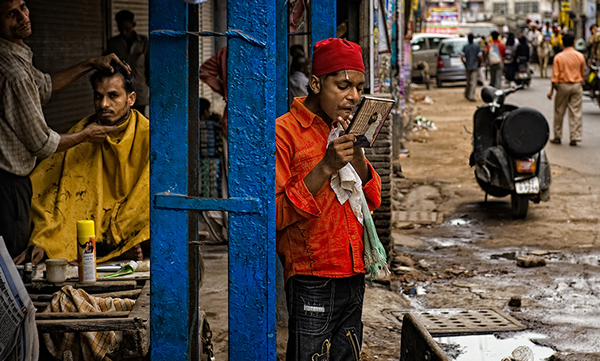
340 152
21 258
35 254
103 63
97 133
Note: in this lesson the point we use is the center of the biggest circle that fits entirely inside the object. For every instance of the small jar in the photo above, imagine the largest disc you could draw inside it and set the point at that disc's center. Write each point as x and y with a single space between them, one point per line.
27 272
20 269
56 270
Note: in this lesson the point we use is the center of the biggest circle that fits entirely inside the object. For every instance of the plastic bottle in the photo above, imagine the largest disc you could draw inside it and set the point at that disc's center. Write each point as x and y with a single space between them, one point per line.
86 251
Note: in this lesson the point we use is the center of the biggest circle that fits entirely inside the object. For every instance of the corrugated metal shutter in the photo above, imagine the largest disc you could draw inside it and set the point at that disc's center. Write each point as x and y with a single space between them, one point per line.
138 7
66 32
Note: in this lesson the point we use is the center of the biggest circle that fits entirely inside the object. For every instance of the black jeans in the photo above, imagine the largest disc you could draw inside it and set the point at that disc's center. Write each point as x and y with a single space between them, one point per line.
15 204
325 318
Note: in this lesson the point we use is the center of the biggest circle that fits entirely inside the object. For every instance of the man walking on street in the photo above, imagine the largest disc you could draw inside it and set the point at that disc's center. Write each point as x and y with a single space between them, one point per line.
319 235
495 55
24 135
567 75
472 57
543 51
132 48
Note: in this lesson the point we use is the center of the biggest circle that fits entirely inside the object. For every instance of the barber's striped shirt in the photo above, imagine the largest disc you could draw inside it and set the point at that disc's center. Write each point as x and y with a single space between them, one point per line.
24 134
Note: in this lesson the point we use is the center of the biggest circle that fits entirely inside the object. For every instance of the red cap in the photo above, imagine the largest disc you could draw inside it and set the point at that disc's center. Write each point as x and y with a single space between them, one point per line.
333 54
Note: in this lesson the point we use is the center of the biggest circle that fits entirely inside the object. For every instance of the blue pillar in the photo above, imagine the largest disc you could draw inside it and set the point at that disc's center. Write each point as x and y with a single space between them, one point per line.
322 20
251 111
282 57
170 319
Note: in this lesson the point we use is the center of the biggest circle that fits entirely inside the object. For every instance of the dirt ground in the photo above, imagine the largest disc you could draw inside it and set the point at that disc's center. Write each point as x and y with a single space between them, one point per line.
468 259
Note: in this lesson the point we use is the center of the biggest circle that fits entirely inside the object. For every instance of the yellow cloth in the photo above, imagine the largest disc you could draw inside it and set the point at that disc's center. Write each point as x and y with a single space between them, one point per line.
106 182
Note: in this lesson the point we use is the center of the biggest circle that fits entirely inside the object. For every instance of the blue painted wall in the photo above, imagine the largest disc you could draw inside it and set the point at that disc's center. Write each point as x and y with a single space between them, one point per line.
168 156
251 111
257 90
323 20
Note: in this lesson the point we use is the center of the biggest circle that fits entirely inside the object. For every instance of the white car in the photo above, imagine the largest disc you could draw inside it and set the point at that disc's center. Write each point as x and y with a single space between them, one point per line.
425 47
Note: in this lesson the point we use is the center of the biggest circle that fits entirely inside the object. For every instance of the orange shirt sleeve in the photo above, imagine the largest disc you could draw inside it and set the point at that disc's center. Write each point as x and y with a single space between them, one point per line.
294 201
372 189
555 69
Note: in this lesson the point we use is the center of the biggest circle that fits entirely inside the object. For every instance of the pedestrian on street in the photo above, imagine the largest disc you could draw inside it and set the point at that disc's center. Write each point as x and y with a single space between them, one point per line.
24 134
472 57
543 51
556 41
133 48
495 55
567 75
510 66
319 235
590 45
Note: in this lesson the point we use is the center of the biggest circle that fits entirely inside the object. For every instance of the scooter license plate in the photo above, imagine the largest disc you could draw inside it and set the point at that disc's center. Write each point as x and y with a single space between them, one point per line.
530 186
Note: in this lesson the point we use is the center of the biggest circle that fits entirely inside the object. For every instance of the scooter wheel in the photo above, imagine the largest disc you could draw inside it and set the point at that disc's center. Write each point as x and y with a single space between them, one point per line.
519 205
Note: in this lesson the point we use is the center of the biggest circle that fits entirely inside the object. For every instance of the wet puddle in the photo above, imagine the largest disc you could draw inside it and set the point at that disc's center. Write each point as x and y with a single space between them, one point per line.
492 348
463 231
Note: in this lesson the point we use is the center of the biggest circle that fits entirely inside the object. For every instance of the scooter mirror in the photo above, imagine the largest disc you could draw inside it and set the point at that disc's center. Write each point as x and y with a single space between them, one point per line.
487 94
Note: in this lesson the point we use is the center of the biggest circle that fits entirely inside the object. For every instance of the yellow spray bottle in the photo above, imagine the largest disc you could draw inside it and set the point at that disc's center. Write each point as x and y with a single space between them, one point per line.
86 251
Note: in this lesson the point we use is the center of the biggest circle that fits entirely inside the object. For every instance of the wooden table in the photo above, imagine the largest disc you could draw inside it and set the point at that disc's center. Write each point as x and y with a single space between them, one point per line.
135 324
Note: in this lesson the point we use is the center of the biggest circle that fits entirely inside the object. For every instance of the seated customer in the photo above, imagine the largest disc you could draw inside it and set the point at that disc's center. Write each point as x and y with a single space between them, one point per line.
106 182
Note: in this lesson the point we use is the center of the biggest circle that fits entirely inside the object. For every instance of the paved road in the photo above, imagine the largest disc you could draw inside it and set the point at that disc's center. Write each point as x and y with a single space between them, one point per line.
583 158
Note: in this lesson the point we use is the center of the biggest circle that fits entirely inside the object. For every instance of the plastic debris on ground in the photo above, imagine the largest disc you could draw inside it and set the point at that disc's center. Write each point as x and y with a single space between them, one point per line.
405 153
422 123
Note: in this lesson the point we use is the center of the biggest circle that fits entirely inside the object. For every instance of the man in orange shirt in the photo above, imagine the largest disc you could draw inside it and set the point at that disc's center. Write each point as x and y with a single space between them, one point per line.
568 68
320 239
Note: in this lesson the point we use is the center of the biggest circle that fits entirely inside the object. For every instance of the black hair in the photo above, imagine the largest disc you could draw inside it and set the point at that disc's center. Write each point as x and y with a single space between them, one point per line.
568 40
296 46
298 63
510 40
124 15
204 104
495 35
128 80
470 38
592 26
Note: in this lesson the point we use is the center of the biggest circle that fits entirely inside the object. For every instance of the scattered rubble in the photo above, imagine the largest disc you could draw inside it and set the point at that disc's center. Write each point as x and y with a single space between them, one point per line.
530 261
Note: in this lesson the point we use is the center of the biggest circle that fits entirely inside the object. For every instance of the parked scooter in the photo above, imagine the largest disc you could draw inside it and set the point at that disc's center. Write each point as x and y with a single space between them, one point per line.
523 74
508 151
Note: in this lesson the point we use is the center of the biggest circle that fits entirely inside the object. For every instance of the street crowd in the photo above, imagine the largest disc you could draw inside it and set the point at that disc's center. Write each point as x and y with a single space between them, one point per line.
574 67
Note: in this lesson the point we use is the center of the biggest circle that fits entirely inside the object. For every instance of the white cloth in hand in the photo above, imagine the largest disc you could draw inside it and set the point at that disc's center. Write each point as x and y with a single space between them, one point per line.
346 183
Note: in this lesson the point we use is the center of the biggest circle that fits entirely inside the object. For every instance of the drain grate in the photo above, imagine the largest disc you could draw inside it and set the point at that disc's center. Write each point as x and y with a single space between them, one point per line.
442 322
420 217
